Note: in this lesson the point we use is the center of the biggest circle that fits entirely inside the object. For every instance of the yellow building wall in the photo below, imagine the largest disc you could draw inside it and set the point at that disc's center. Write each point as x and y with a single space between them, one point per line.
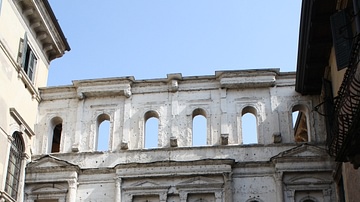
13 90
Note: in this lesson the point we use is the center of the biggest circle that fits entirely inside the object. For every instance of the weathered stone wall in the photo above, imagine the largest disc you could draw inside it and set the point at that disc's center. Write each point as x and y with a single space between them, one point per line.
276 168
268 94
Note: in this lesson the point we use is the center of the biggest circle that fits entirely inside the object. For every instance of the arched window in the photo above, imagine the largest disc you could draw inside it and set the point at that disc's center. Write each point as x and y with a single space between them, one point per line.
249 125
14 166
300 123
151 129
103 132
199 127
55 138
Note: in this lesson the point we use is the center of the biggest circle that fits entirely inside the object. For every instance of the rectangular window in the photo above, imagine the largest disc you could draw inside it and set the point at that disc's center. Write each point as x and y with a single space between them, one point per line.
14 166
28 58
0 6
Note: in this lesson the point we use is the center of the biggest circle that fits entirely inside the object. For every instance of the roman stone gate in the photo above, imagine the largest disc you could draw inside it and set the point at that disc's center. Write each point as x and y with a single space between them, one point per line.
286 161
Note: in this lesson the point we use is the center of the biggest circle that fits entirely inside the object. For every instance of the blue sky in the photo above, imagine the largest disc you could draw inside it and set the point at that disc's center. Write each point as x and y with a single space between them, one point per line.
151 38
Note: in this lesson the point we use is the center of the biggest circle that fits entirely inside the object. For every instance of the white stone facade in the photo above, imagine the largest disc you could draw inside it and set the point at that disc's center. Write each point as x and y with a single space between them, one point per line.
275 169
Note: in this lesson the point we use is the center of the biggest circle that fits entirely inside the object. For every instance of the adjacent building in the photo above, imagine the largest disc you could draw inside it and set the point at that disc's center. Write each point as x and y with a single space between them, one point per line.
328 66
30 38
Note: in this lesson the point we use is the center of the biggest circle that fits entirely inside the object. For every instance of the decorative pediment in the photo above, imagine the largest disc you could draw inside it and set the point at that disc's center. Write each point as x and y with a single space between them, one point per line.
146 186
50 162
304 150
145 183
305 179
48 188
200 180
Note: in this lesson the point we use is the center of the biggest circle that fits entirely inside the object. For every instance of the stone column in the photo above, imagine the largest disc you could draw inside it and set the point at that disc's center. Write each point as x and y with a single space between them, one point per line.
127 126
78 125
224 129
71 195
290 194
175 128
227 186
116 128
118 182
163 197
128 197
327 195
218 196
183 196
279 186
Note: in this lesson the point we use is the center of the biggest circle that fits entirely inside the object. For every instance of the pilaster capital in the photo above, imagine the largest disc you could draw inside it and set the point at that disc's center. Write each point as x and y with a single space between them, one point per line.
72 183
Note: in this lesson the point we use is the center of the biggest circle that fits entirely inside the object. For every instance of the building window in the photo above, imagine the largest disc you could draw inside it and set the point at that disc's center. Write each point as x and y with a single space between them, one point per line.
0 5
55 146
14 165
28 58
249 126
103 132
151 129
300 123
199 128
55 135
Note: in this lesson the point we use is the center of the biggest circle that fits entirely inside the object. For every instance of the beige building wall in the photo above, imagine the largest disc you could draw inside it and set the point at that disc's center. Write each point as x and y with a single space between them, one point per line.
19 95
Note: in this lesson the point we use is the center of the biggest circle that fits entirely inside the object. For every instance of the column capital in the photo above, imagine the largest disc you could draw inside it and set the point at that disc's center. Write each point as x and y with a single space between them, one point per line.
327 192
278 175
183 196
218 195
163 197
72 183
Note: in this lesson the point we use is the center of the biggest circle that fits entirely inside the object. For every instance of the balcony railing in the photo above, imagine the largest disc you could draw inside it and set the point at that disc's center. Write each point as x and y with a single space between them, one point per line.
343 138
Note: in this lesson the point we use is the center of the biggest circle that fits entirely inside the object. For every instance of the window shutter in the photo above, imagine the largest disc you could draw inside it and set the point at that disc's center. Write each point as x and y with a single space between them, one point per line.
342 38
356 5
23 53
31 66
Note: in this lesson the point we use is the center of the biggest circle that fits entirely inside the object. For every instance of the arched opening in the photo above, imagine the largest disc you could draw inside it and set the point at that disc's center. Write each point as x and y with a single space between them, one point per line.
300 123
151 136
14 165
103 133
199 127
249 125
56 125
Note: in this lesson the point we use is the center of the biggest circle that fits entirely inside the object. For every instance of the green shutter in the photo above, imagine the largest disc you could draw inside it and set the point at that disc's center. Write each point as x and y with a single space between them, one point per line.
342 38
0 5
23 53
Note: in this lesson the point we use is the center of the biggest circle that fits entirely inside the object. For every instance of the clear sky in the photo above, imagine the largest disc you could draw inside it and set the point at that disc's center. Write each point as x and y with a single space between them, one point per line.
151 38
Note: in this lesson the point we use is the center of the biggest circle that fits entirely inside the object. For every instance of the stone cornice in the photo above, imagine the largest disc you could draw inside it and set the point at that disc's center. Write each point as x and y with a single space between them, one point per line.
44 26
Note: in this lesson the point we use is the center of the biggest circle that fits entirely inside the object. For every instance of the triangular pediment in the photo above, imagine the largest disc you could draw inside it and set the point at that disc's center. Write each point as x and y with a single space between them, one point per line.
303 150
49 161
199 180
145 183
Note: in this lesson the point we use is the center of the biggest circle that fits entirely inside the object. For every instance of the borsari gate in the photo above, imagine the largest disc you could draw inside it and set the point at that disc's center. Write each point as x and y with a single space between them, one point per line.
285 161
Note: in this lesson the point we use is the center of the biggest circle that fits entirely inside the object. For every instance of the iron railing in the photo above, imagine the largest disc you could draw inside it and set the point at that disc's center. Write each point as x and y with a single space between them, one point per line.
346 118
